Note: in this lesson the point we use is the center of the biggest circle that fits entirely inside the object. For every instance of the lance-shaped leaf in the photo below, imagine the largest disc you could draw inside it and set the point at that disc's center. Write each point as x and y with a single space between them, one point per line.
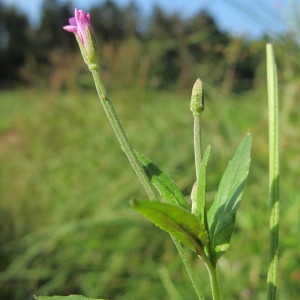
180 223
221 215
164 184
71 297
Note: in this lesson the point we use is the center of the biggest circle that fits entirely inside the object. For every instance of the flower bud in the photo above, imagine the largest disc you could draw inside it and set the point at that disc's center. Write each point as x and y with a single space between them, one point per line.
82 27
197 98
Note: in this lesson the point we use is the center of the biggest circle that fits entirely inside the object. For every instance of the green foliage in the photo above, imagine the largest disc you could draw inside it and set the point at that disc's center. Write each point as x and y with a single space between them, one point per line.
54 16
193 229
221 215
64 189
55 211
71 297
14 42
164 184
181 224
114 24
162 51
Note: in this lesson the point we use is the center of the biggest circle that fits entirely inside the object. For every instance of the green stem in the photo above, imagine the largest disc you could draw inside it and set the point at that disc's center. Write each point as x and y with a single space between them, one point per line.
210 268
197 107
197 143
212 272
127 148
273 173
188 267
213 280
121 135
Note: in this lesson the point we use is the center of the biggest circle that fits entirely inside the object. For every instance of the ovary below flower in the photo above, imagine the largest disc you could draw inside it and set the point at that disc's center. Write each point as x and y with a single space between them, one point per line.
82 27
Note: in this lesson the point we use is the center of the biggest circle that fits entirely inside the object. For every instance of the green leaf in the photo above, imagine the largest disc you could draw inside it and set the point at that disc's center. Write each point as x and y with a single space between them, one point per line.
71 297
164 184
198 196
221 215
181 224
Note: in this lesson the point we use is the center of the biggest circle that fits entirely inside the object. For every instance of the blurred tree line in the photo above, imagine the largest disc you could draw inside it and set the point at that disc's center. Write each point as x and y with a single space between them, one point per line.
162 51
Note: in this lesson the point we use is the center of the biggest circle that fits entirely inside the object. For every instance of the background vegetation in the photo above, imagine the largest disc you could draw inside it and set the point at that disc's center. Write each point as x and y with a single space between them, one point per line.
66 225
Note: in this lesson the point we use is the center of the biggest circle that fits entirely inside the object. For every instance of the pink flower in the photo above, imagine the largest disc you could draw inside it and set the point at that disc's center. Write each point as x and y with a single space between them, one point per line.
82 27
79 25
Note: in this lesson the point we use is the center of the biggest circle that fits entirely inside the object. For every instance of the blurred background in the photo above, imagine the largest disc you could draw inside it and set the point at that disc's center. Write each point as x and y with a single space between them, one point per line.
65 221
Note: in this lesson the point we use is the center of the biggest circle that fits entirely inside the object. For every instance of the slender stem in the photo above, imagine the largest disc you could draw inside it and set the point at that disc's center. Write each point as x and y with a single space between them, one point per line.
127 148
213 280
188 267
197 107
121 135
212 272
273 173
197 143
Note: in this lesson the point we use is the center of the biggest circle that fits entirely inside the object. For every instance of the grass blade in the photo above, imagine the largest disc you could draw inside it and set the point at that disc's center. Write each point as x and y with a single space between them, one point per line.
273 172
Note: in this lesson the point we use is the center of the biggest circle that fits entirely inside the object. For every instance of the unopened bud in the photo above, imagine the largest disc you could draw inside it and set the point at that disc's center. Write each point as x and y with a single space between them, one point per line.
197 98
82 27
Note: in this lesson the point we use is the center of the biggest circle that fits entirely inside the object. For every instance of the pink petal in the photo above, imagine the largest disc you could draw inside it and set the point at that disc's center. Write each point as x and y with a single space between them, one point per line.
70 28
80 24
72 21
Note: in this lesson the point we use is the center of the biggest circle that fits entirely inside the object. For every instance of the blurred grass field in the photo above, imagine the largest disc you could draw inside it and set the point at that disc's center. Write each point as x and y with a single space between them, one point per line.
65 185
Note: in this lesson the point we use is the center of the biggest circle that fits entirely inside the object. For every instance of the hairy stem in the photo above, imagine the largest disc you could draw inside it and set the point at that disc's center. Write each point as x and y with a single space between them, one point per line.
127 148
213 280
189 270
121 135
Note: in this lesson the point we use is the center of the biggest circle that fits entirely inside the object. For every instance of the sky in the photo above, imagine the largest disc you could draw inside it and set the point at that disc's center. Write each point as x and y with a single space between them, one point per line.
250 18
